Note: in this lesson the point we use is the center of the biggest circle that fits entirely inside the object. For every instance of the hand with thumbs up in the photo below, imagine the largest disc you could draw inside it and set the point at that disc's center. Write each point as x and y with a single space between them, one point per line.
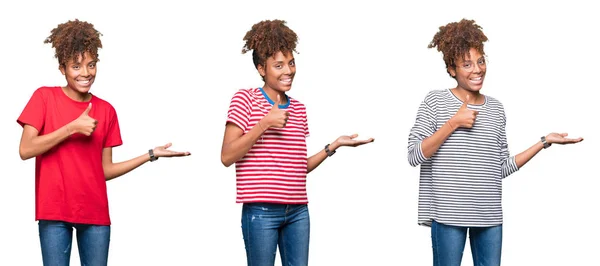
84 124
276 117
464 117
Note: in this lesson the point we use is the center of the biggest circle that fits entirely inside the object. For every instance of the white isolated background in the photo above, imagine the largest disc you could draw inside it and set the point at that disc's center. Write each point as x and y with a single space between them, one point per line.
170 68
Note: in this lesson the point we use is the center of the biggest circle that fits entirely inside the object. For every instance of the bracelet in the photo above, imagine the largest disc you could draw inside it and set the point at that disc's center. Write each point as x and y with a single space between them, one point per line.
546 144
152 157
329 152
261 126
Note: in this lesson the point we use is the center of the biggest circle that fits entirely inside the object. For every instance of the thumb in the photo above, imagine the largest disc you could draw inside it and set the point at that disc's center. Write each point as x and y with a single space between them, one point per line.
87 110
278 102
464 105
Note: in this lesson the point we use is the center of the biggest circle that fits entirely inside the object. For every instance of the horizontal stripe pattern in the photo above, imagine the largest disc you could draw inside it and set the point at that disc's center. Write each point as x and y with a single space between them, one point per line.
461 184
274 169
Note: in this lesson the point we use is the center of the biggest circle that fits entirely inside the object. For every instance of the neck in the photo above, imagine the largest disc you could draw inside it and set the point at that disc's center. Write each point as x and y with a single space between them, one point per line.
474 96
75 95
273 94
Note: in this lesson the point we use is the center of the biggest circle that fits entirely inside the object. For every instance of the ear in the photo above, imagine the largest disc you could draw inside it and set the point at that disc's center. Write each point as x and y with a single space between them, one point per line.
452 71
62 69
261 70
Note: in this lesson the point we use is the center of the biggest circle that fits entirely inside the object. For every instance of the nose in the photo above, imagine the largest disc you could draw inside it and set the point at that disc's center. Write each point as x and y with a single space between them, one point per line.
287 69
85 71
477 68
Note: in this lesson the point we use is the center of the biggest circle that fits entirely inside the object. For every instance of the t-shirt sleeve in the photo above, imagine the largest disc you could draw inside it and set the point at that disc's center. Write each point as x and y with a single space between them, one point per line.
113 134
240 110
425 126
509 165
34 113
306 131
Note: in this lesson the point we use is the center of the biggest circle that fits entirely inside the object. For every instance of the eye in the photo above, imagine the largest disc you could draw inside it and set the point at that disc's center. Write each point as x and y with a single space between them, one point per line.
278 66
92 65
292 63
467 65
481 61
75 67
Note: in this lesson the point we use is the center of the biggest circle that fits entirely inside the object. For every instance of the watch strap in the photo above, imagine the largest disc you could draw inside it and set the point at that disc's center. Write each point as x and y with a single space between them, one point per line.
328 151
152 157
546 144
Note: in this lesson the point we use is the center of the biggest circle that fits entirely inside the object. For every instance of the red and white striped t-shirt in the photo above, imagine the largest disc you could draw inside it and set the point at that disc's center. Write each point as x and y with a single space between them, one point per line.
274 169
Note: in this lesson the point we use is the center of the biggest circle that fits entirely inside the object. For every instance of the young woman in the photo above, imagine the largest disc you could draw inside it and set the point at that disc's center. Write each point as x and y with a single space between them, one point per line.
265 136
71 133
459 139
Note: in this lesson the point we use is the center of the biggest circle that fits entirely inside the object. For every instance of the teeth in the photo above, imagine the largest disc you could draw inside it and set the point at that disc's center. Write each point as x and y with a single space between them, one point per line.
477 79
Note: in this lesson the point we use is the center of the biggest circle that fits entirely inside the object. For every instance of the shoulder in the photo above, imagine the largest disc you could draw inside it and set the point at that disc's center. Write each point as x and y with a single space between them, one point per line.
493 102
434 96
47 91
294 103
246 95
102 104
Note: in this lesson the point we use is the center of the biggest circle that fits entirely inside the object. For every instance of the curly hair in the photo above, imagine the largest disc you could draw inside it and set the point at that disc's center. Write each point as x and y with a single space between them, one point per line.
74 38
268 37
456 39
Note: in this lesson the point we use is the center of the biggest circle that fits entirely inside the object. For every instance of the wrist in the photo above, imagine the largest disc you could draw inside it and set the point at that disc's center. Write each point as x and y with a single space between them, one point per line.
451 124
264 123
329 150
69 129
152 156
334 145
261 125
546 144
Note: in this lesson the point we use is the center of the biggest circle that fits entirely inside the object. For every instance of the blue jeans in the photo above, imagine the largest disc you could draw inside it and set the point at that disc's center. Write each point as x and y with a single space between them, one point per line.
449 242
56 238
267 225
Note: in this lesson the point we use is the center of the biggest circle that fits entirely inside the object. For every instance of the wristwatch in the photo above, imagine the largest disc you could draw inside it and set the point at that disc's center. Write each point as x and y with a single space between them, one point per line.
546 144
329 152
152 157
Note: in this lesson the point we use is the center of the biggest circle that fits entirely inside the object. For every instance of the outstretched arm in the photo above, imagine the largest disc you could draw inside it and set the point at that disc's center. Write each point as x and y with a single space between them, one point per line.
114 170
350 141
524 157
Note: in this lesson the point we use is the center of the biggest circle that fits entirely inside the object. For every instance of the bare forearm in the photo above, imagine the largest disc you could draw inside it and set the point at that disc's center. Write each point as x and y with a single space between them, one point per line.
431 144
524 157
237 148
114 170
37 145
316 160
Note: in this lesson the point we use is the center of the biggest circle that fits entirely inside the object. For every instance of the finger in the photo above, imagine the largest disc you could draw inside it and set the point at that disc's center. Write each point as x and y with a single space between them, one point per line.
475 112
167 145
95 122
87 110
278 102
353 136
465 103
564 134
178 153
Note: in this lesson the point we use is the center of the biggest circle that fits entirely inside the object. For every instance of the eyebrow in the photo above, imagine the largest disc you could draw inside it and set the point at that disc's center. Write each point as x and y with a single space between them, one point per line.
281 62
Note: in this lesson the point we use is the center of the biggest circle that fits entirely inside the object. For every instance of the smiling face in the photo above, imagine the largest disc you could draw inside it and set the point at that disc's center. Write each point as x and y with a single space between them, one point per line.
469 71
278 72
80 72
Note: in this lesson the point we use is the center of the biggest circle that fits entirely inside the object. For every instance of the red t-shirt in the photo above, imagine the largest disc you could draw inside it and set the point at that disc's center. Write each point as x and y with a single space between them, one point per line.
274 169
69 178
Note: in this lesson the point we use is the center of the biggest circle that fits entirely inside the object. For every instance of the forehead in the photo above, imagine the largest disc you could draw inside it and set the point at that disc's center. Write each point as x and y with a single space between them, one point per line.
81 58
281 57
473 54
